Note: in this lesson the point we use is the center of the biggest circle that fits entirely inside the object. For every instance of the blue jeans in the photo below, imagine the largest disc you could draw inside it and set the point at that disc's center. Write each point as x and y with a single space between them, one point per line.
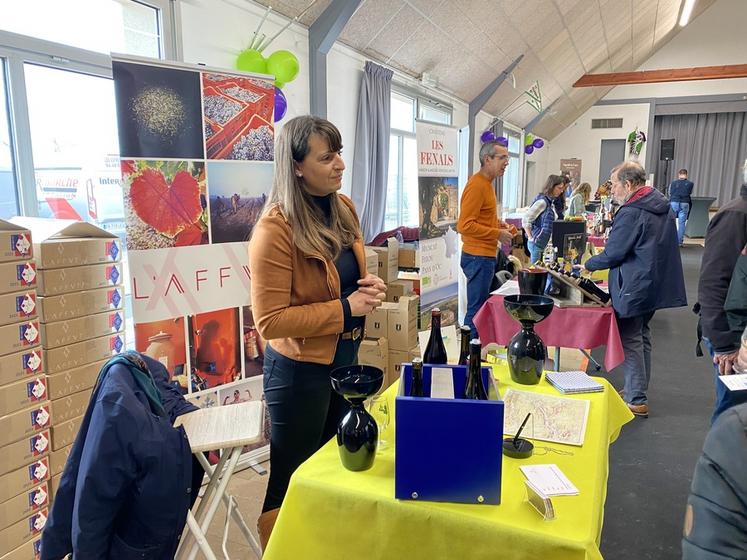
724 398
535 251
479 272
635 336
680 209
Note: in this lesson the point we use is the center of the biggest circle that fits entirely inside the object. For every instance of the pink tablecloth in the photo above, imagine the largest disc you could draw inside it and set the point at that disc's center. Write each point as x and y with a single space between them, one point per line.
569 327
596 240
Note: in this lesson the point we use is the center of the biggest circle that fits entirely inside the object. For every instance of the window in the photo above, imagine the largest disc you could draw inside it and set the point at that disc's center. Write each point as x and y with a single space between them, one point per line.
101 26
8 197
402 203
511 180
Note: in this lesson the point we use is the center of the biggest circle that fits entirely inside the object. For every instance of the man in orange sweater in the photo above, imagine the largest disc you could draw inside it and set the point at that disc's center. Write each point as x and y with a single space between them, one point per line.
481 229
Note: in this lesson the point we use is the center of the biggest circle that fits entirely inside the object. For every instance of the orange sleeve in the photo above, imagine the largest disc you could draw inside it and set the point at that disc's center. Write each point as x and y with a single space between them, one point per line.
469 213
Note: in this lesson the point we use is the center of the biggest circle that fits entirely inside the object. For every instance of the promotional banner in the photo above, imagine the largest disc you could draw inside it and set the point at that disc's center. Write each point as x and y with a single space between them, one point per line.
438 148
573 168
196 161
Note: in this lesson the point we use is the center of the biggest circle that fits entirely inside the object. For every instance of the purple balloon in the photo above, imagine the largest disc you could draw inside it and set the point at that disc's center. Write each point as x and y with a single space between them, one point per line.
528 149
538 143
487 136
281 104
502 140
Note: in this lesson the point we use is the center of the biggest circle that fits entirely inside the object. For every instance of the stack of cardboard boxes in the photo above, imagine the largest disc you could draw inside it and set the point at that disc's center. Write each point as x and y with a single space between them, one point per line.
391 336
25 412
81 320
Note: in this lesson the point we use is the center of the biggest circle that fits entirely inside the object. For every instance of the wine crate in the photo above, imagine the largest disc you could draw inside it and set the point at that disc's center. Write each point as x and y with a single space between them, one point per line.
448 450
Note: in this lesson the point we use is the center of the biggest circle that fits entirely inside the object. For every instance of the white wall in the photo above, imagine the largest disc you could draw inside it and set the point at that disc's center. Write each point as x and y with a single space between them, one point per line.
580 141
715 37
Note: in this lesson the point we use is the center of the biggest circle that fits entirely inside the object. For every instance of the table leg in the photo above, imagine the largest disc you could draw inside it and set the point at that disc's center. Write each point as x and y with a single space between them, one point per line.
557 358
194 528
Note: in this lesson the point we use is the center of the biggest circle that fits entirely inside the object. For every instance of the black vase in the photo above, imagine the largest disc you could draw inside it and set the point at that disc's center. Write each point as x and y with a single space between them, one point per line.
357 432
527 351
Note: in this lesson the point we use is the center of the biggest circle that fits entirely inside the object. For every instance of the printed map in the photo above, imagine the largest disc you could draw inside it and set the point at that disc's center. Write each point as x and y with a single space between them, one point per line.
555 419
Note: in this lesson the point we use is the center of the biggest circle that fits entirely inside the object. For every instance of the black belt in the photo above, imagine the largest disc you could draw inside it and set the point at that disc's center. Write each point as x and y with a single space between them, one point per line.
355 334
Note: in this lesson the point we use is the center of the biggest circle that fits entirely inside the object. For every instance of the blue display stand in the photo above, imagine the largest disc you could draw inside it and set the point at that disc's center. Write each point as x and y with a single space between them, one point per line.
448 450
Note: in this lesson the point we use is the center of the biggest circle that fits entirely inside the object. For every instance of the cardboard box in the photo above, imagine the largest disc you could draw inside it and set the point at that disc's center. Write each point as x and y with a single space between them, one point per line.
64 434
57 460
23 505
23 452
70 331
372 261
25 478
79 304
71 406
377 322
82 353
57 281
403 324
63 243
73 380
21 365
18 337
24 423
397 289
54 485
18 306
375 353
30 550
15 242
409 256
23 394
17 276
397 358
26 529
388 257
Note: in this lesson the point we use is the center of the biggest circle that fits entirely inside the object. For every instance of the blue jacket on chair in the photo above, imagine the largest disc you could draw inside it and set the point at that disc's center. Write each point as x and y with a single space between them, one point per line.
126 487
643 257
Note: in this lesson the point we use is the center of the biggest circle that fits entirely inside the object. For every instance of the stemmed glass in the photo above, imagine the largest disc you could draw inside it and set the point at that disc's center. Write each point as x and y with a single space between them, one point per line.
378 407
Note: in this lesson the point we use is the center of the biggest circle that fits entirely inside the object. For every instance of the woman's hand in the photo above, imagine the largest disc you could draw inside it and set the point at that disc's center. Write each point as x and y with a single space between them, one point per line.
372 281
364 300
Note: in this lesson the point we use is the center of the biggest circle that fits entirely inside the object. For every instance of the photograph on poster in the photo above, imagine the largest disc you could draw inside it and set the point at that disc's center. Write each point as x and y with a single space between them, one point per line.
204 400
214 348
165 203
439 205
249 390
238 117
254 345
237 195
159 111
449 312
164 341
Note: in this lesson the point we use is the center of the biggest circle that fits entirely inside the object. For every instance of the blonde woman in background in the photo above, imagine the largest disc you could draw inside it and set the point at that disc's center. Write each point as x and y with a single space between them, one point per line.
579 199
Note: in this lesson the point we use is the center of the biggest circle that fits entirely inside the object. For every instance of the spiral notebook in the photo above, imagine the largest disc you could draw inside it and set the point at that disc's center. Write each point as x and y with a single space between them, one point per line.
568 382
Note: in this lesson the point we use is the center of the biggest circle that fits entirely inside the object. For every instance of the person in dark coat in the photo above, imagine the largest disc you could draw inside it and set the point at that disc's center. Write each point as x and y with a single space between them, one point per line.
128 482
645 272
679 199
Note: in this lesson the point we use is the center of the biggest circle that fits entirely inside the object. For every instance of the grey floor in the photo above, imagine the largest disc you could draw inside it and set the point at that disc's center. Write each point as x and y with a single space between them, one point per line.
651 464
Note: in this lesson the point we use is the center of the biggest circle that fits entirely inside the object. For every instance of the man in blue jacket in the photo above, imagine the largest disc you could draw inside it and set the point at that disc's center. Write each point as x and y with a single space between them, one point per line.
679 199
645 272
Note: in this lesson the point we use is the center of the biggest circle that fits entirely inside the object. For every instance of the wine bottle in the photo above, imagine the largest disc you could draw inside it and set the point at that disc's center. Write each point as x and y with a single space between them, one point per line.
466 333
435 351
474 389
416 389
592 288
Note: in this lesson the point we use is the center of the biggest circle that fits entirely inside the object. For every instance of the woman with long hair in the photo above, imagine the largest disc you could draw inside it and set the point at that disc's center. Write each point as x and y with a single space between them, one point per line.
538 220
310 294
579 199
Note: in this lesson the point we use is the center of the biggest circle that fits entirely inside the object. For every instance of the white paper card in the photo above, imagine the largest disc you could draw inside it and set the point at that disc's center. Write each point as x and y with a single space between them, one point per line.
442 383
509 288
549 480
736 382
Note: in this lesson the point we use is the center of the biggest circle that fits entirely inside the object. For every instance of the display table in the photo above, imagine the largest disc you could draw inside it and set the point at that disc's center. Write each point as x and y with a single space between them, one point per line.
568 327
697 220
331 513
596 240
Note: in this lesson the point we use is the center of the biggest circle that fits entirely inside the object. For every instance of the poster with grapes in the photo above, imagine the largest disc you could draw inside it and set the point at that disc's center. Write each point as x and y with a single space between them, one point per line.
197 148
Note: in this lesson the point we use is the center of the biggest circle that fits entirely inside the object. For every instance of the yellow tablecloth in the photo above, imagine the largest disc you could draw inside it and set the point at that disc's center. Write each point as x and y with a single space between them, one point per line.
330 512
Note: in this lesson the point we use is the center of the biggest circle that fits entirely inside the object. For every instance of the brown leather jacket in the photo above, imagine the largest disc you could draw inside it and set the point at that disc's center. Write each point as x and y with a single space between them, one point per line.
296 297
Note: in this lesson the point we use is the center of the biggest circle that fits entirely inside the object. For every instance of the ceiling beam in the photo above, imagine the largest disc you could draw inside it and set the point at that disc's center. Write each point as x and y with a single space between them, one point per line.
665 75
530 126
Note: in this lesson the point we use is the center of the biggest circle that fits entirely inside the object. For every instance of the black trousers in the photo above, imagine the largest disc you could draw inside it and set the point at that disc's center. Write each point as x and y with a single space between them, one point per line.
304 412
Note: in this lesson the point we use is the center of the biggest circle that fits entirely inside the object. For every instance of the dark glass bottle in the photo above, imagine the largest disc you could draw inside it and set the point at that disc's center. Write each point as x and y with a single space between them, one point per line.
466 334
416 389
474 388
592 288
435 351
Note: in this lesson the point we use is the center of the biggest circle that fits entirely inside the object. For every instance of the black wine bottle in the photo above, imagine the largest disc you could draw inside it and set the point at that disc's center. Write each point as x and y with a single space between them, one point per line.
466 334
592 288
435 351
474 389
416 389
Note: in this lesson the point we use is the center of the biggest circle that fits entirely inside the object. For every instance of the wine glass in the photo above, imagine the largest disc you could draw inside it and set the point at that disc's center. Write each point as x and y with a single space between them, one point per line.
378 407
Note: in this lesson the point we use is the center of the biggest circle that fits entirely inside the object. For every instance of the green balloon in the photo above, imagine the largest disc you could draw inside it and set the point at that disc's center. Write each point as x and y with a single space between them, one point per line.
528 139
283 65
251 60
